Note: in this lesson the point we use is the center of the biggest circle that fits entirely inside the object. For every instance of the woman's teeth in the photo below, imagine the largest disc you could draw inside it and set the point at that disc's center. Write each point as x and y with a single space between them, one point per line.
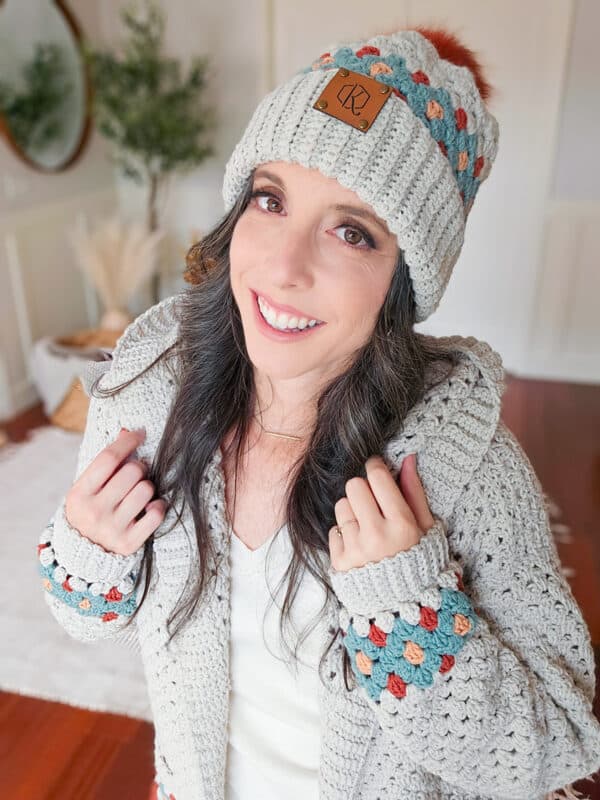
282 321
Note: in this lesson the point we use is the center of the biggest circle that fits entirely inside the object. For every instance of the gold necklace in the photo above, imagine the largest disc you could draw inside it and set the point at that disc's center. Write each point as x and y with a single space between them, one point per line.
280 435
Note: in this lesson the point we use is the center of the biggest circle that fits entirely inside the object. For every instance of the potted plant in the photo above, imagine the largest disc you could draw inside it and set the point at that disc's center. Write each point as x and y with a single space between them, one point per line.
153 116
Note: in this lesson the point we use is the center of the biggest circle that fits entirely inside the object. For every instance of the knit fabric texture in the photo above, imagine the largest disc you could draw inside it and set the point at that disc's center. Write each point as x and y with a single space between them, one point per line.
473 667
419 165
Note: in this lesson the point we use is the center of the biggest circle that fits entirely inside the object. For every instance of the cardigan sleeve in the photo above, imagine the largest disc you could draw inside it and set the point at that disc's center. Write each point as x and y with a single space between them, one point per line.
89 590
488 685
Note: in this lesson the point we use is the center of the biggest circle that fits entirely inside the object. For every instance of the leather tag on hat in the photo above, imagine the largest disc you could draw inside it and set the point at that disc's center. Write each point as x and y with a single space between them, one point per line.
353 98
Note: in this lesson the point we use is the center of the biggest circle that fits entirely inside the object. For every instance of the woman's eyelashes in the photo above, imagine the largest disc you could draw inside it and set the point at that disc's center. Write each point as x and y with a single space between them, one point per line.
345 224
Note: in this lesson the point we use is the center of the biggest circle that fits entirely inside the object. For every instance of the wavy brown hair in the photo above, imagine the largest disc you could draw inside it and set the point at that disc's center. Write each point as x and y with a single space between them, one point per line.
357 413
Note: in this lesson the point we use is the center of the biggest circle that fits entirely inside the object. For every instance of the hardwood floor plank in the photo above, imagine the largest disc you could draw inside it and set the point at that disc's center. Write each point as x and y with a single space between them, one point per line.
51 751
47 735
558 426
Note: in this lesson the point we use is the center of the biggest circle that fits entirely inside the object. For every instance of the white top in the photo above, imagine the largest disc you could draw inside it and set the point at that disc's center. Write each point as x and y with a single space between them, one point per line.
274 727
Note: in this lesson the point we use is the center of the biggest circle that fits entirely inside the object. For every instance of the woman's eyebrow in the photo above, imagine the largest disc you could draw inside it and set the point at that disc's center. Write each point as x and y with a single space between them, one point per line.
264 173
343 208
361 212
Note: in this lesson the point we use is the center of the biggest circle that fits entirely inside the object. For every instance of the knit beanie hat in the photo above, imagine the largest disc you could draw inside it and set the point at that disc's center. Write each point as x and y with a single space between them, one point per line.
401 120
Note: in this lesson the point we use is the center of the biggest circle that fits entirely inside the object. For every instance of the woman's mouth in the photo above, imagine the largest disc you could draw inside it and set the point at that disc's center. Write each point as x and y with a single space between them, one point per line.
281 326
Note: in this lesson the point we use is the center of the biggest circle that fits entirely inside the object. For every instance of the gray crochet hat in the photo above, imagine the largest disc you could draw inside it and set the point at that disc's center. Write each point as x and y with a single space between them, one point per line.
401 120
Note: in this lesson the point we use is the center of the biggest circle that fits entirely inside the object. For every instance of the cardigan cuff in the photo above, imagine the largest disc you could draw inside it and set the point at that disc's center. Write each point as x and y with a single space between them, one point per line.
84 559
380 586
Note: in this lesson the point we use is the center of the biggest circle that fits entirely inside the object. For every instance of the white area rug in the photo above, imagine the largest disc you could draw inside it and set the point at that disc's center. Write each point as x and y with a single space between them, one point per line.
38 658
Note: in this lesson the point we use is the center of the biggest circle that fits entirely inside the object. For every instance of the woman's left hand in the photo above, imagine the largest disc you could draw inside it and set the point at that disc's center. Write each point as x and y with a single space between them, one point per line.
379 519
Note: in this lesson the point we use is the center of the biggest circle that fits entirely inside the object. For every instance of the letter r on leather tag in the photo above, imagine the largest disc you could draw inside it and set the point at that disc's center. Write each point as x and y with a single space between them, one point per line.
353 98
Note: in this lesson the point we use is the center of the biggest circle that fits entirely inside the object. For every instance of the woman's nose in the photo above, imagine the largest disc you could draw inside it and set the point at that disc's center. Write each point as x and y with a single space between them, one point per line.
292 261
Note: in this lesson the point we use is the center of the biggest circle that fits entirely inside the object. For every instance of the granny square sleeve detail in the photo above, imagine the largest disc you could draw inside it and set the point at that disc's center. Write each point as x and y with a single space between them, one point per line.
489 687
107 596
421 637
89 590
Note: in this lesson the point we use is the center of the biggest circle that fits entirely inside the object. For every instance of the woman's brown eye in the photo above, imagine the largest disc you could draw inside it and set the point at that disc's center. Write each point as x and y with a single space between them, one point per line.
261 194
353 232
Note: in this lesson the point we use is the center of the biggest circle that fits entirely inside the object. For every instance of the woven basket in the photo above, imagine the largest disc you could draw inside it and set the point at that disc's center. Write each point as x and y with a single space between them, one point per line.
71 414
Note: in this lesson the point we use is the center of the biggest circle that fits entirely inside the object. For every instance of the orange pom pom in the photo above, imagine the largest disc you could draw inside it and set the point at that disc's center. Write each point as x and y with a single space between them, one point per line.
450 48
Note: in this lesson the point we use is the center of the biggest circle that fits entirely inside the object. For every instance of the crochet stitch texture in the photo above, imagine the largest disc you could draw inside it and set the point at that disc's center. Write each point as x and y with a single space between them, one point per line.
474 667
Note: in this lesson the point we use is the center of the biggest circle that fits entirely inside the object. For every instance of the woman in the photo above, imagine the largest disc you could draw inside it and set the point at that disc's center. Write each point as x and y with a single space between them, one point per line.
329 461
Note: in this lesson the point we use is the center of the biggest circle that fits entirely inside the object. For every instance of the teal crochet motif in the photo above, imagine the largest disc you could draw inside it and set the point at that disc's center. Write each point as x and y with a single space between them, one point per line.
411 654
433 106
106 606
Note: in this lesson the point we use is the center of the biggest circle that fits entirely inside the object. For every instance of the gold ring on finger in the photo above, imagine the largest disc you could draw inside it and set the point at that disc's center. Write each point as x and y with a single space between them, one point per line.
338 528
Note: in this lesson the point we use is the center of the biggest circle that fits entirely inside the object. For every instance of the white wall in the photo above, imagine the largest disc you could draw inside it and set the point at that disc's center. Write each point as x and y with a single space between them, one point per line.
577 168
564 341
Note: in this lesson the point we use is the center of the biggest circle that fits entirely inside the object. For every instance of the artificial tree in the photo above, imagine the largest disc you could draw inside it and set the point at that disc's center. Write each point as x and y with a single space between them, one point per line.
154 117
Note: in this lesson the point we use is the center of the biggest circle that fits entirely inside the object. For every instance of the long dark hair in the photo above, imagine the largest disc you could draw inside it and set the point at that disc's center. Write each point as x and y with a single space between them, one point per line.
358 411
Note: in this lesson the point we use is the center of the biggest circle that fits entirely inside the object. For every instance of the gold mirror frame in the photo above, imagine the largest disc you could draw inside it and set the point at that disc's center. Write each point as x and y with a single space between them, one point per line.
73 25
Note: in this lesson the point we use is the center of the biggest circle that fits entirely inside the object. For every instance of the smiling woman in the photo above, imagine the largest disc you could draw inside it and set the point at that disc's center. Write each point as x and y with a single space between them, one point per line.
304 437
295 250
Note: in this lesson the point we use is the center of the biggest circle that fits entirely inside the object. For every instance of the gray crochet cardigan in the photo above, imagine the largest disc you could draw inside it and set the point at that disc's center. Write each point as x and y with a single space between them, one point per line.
474 668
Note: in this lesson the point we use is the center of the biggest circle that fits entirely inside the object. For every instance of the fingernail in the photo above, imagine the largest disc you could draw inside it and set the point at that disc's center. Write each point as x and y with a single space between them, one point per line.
123 429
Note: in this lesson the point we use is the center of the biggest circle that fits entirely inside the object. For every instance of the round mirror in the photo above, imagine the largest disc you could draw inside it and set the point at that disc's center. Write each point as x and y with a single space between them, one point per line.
44 85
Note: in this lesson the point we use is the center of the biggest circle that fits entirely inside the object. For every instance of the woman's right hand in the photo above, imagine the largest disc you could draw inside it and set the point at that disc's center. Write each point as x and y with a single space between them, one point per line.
106 498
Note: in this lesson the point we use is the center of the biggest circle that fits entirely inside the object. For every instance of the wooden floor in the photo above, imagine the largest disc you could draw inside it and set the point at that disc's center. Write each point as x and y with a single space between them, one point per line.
50 751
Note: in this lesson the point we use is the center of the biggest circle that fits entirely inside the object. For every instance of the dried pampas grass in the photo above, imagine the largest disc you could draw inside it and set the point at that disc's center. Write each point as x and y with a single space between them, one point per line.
117 257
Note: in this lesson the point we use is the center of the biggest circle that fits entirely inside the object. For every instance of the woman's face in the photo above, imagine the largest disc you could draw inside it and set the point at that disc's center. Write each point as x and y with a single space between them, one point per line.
294 248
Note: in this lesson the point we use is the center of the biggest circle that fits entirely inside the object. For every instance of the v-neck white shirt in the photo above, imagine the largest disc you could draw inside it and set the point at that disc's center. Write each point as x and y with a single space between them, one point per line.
274 721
